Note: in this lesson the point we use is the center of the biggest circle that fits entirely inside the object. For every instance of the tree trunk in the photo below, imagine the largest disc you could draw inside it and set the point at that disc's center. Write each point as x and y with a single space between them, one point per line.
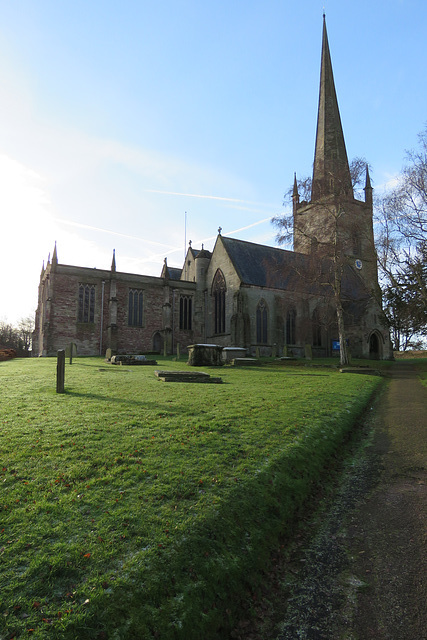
344 353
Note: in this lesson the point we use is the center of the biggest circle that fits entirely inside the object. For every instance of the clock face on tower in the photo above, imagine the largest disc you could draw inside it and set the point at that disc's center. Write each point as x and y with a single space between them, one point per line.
358 264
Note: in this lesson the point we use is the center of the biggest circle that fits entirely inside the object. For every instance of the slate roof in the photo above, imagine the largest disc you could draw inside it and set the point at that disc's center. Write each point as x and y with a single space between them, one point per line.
174 273
262 266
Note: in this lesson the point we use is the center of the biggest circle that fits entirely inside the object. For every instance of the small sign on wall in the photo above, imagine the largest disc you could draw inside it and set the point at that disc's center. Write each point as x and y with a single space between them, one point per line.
336 345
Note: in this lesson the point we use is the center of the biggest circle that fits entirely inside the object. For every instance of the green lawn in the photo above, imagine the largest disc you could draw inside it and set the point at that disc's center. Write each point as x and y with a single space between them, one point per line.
132 508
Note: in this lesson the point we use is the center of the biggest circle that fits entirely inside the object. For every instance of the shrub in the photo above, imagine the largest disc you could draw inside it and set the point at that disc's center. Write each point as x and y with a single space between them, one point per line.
7 354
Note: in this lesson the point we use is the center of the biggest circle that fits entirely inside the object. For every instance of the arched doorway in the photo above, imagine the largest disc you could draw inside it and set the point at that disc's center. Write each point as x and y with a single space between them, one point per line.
157 342
374 347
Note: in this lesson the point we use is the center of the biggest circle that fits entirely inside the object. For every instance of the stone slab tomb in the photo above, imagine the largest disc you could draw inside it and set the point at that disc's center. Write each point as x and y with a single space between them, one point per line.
187 376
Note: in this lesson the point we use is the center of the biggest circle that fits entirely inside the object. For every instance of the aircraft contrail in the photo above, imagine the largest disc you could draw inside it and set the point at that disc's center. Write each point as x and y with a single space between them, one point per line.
113 233
206 197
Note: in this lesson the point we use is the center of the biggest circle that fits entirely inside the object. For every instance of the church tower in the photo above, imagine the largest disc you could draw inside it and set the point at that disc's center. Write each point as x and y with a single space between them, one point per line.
334 223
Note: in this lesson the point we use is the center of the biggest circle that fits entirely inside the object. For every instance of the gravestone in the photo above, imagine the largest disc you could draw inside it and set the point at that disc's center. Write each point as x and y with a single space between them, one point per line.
108 354
71 351
177 350
308 352
60 371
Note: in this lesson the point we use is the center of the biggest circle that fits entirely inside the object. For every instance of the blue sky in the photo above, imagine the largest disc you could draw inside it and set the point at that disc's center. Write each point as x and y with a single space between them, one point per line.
117 118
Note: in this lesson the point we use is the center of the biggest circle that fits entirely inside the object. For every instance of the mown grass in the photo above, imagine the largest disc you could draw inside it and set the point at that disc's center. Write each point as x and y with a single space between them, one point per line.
421 366
131 508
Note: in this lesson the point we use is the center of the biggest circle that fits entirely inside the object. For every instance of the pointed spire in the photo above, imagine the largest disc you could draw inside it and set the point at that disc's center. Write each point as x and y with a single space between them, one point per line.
295 195
331 172
55 256
368 188
368 179
113 262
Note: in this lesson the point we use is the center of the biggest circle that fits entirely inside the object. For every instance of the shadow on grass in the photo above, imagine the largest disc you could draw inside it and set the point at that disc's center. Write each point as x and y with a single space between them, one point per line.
143 404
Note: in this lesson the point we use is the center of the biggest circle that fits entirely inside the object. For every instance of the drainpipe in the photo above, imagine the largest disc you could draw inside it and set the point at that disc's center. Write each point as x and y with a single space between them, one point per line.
173 319
205 304
102 317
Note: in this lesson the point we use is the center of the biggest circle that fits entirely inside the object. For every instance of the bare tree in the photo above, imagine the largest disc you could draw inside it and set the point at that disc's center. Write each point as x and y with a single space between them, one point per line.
26 328
328 241
401 221
18 338
406 204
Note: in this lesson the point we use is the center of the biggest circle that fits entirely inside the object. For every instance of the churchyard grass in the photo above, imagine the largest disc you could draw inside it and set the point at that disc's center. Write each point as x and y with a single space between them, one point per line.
133 508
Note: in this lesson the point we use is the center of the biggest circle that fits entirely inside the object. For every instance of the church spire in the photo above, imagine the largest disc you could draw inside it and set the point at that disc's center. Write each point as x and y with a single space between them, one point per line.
54 258
368 189
295 195
331 172
113 262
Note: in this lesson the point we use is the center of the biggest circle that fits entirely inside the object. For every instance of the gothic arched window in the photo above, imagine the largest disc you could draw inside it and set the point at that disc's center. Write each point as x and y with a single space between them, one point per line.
185 312
135 308
317 329
290 327
261 322
86 311
218 294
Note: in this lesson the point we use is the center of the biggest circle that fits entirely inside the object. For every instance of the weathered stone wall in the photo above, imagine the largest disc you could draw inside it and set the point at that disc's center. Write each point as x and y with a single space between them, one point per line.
220 260
57 314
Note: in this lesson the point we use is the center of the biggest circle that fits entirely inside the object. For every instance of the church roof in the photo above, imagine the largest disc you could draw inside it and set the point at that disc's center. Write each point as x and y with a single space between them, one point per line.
262 266
174 273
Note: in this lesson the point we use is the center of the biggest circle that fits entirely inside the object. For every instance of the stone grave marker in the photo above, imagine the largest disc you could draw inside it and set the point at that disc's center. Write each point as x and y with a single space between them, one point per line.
60 371
308 352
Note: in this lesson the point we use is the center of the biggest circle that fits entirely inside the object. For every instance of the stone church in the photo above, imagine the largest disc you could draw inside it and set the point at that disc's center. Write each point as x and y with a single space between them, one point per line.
262 298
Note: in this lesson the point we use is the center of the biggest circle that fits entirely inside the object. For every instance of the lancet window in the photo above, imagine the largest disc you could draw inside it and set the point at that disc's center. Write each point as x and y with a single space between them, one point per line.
135 310
218 294
290 327
261 322
86 308
186 313
317 330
